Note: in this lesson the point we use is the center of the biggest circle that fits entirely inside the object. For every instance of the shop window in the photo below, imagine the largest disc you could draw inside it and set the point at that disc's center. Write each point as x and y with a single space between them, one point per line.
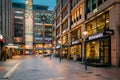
104 51
76 51
92 50
98 51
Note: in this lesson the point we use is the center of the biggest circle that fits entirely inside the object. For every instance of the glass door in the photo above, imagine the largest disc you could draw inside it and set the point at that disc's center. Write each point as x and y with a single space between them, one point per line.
105 51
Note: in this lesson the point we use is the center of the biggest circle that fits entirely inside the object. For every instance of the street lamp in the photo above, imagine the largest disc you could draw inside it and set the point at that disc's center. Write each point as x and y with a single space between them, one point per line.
85 58
59 41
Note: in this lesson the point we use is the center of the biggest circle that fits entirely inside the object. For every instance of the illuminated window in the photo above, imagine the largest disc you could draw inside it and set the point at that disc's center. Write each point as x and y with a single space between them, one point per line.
91 27
98 24
101 22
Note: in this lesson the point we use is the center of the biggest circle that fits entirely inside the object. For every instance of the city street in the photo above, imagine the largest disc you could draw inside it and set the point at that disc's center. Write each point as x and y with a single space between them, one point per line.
36 67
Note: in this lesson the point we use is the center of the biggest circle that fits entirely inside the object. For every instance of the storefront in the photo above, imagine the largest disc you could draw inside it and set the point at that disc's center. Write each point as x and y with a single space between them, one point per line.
98 49
76 44
2 41
64 52
76 51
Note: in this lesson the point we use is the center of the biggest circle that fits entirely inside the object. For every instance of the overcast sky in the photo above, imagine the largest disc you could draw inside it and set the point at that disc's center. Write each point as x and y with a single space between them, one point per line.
50 3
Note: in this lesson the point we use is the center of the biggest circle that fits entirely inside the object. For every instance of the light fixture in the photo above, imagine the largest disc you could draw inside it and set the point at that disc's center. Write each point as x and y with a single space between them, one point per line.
85 33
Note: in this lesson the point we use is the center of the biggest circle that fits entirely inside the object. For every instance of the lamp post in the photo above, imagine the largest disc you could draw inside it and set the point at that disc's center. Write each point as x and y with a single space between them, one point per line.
85 58
60 50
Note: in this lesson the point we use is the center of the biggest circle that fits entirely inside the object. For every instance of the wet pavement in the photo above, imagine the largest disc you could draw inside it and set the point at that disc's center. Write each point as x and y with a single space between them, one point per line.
35 67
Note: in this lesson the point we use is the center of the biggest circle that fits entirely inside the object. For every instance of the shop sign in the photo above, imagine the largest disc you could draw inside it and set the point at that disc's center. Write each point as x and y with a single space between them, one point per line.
109 31
75 42
95 36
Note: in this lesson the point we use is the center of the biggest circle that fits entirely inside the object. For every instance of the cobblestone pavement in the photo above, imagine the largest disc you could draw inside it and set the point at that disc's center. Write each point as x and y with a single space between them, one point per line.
34 67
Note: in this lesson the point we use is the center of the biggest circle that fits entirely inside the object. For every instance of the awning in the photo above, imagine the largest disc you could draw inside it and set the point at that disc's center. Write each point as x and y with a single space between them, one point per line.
10 45
2 40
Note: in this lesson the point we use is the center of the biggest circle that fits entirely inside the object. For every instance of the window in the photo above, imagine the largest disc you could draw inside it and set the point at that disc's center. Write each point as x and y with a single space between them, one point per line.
94 3
75 35
99 2
89 6
58 31
78 13
91 27
65 12
65 25
101 23
98 24
107 20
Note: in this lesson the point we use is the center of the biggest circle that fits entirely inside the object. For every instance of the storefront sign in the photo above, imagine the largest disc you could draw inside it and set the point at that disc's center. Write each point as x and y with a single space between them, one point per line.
75 42
96 36
109 31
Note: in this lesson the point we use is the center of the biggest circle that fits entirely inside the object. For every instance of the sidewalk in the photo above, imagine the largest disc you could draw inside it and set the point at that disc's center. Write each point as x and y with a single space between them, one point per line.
106 73
8 64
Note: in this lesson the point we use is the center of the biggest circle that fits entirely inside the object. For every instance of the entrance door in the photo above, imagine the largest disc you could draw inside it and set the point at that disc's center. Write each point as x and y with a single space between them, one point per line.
105 51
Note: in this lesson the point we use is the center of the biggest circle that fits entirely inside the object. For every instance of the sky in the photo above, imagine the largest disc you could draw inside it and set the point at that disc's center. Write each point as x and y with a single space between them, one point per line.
50 3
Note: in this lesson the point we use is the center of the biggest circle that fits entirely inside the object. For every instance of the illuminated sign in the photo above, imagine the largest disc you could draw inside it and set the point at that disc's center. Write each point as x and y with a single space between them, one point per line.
95 36
75 42
1 36
109 31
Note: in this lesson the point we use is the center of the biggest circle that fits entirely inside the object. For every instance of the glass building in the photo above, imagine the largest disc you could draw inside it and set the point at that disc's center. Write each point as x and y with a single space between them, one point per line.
33 28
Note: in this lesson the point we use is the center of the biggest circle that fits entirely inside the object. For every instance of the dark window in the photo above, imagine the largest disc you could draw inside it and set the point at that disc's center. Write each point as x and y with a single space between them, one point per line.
99 2
89 6
94 3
